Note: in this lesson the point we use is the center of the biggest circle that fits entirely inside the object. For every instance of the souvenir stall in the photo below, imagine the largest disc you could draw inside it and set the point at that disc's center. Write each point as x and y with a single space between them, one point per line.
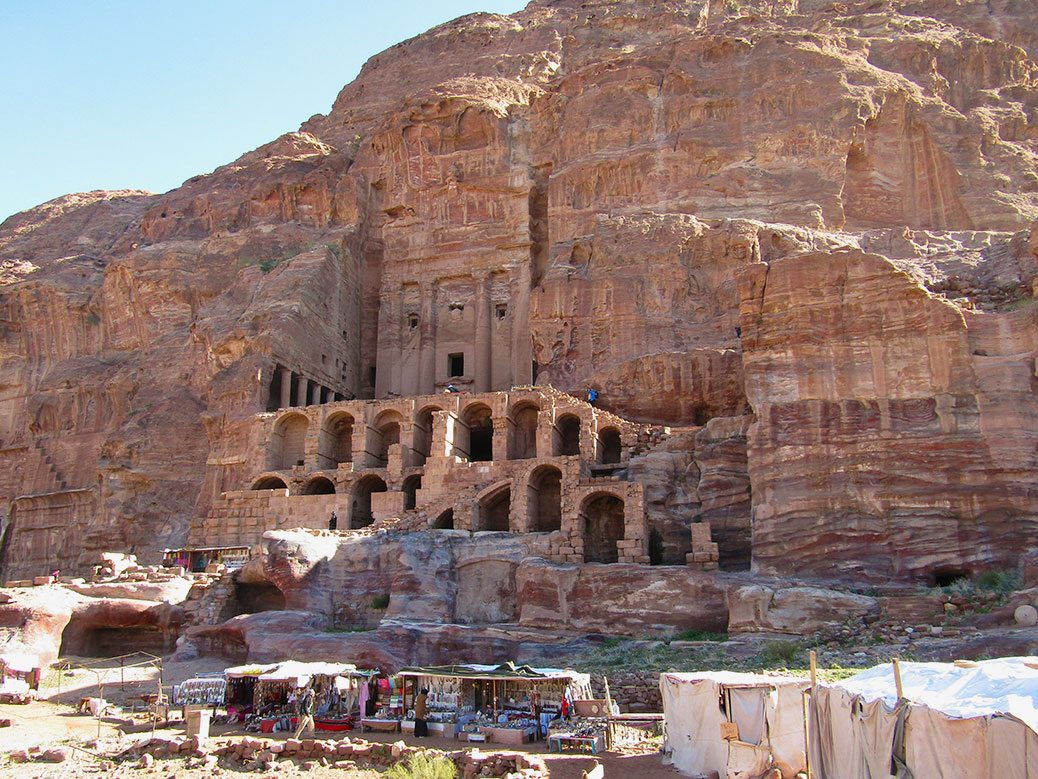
506 704
240 696
336 687
383 705
205 690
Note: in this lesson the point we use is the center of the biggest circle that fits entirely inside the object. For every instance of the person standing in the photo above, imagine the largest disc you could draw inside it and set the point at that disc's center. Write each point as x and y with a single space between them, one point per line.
305 710
421 709
333 522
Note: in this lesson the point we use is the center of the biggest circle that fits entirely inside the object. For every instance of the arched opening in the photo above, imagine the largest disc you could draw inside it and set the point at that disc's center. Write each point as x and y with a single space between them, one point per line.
387 433
445 521
567 435
609 447
947 575
336 444
544 500
481 433
319 485
361 507
411 486
288 443
99 634
602 517
253 597
270 483
524 433
422 438
494 511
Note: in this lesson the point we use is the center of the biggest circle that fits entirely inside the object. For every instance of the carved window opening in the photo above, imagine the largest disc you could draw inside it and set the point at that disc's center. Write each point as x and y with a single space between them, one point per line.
501 310
456 364
412 321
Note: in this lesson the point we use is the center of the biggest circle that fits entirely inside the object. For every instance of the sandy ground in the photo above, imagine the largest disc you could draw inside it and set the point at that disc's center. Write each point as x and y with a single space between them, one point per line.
93 743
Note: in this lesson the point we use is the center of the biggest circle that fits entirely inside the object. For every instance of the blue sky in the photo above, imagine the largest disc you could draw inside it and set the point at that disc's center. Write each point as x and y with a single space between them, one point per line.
144 94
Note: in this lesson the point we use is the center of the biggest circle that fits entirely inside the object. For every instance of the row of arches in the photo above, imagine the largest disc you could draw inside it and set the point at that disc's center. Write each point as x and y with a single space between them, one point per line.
471 437
600 516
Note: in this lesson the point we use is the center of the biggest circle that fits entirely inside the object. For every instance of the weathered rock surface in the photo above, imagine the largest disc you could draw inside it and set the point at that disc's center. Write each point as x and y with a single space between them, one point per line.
793 610
817 216
50 620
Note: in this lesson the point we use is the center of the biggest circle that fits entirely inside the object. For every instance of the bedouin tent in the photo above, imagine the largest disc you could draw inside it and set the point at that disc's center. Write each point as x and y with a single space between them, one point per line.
768 712
958 720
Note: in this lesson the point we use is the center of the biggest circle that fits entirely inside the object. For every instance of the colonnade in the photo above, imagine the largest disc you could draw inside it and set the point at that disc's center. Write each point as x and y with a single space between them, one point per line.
308 393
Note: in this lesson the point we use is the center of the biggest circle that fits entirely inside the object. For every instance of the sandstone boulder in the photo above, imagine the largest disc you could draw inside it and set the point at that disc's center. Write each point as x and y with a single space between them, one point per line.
794 610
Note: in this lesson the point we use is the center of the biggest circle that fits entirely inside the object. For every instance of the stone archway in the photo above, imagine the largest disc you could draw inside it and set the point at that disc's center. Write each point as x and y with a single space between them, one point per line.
494 509
319 485
523 442
269 483
479 421
609 446
360 505
411 486
386 433
544 500
445 521
287 446
567 436
336 442
602 519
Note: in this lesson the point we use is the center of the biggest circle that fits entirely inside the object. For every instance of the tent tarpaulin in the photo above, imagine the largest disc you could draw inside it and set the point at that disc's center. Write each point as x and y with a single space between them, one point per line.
767 709
960 722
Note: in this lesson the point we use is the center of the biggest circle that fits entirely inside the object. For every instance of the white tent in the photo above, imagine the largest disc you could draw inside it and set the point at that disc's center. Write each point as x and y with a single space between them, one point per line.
955 721
767 711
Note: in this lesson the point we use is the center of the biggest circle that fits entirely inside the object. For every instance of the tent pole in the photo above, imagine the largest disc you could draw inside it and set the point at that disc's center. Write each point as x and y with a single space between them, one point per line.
897 680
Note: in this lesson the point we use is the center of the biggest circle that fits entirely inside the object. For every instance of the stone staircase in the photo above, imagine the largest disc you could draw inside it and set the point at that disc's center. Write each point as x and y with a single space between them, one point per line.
46 476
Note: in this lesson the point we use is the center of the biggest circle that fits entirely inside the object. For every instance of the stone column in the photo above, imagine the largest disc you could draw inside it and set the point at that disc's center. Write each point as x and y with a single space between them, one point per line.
397 380
286 387
482 351
522 353
427 356
384 352
303 391
315 394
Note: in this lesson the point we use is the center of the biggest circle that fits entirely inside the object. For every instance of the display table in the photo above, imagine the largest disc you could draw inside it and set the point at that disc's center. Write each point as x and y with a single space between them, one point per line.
385 725
564 742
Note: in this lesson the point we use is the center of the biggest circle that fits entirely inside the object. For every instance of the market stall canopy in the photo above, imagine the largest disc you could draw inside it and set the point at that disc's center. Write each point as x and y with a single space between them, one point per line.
506 672
1007 685
254 670
294 669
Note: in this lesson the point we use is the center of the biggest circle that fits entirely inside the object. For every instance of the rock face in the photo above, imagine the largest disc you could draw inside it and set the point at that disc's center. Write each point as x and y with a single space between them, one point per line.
808 228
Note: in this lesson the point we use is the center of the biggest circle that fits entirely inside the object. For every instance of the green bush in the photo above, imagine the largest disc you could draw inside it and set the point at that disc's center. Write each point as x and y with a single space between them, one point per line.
779 654
380 602
422 765
998 581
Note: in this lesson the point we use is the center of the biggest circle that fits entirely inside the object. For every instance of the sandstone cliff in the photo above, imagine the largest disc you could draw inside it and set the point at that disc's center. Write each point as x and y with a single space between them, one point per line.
816 217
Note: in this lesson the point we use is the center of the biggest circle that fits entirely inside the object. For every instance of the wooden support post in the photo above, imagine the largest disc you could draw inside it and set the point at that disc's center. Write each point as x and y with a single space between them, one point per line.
814 669
897 680
807 733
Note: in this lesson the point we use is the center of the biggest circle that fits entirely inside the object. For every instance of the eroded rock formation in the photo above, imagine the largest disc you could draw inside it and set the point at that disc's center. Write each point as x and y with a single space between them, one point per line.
807 228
